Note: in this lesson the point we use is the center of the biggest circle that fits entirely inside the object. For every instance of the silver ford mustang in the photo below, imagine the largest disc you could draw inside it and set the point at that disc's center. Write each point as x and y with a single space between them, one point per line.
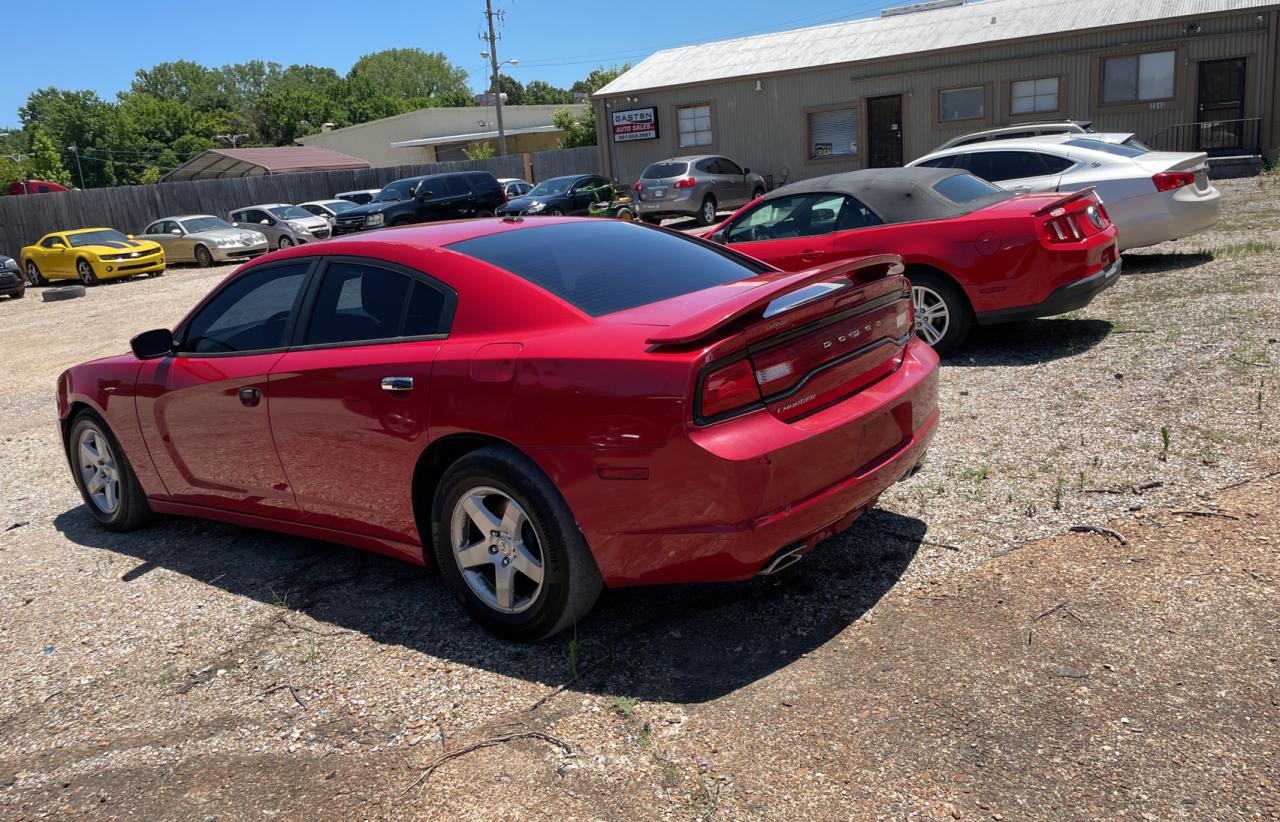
204 239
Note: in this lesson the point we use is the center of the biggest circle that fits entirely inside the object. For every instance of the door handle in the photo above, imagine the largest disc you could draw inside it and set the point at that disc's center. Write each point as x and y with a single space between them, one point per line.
397 385
249 397
811 254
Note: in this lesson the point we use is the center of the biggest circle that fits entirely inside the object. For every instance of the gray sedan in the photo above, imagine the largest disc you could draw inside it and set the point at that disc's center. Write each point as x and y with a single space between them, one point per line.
204 239
285 225
695 186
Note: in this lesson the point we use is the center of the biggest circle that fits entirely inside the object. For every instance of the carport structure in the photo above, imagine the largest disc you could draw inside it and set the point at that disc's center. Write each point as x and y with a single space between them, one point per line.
255 162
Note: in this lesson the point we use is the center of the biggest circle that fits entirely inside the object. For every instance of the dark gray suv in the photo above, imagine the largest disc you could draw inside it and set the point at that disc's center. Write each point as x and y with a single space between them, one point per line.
695 186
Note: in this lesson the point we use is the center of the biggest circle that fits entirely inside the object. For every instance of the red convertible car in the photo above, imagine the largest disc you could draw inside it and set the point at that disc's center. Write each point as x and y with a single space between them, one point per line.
974 252
543 407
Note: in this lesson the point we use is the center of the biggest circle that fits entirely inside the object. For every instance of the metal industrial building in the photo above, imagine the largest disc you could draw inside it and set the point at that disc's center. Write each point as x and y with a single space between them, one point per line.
1182 74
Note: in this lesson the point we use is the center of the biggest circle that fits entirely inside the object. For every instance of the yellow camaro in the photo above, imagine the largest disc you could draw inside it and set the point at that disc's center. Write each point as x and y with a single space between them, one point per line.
90 255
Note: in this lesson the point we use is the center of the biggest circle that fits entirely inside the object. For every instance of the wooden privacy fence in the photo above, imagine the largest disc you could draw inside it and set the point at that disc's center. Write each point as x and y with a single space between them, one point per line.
26 218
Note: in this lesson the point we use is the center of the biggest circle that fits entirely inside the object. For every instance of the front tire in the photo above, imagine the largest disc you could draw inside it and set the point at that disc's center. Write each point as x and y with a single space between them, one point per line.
34 277
85 272
102 473
204 257
757 194
508 547
707 211
284 242
943 317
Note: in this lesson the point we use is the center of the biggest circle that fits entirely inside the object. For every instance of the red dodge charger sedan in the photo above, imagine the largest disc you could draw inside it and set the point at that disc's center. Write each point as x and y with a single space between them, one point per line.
543 407
974 252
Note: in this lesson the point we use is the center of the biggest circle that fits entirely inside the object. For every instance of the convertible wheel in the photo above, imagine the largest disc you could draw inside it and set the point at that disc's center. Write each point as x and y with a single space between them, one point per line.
34 277
85 272
508 547
204 257
104 476
942 313
707 213
284 242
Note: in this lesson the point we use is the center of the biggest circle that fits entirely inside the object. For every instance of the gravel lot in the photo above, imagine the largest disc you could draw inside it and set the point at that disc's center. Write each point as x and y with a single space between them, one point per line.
957 654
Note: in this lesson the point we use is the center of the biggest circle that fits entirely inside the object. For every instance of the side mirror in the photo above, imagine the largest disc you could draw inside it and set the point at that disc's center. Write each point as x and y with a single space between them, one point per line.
177 232
130 236
264 222
151 345
745 172
719 237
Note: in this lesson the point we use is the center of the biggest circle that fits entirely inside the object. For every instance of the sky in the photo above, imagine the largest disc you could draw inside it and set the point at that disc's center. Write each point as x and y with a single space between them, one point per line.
99 44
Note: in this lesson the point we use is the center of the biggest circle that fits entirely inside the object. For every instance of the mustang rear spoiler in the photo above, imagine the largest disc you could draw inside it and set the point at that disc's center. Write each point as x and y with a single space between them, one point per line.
1082 194
709 320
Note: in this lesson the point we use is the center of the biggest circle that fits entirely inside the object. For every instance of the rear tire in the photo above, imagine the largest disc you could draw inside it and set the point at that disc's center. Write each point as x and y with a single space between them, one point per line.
204 257
104 476
943 315
757 194
707 211
34 277
527 527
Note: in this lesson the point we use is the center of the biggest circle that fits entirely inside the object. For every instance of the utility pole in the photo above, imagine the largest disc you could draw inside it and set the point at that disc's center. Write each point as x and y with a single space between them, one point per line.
79 171
497 89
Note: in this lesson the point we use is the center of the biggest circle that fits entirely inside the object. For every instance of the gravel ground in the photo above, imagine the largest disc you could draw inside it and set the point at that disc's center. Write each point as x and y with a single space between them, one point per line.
907 670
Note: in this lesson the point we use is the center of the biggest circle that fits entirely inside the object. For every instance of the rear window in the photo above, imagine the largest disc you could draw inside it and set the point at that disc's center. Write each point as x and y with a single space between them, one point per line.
1108 148
658 171
964 188
603 266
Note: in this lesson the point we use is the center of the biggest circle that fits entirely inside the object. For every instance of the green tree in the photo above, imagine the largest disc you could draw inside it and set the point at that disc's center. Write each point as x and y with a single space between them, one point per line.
542 93
78 118
410 72
182 81
599 78
513 88
579 130
45 162
289 113
481 150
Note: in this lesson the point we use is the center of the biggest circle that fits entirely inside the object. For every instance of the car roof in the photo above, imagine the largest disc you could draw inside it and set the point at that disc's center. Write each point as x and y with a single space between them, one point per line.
325 201
84 230
185 217
512 180
897 195
359 191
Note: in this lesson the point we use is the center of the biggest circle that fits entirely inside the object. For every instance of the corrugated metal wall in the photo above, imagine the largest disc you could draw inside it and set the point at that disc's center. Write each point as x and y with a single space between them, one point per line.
766 129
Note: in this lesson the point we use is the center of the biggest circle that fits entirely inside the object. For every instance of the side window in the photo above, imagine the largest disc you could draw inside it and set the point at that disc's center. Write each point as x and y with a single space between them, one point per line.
154 228
239 217
51 242
456 187
995 166
1054 164
361 302
251 313
804 215
855 214
425 314
941 162
728 166
707 166
433 188
167 226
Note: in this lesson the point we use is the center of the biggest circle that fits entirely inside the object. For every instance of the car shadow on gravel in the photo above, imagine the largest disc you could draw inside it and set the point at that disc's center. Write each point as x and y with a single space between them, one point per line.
678 643
1028 343
1157 263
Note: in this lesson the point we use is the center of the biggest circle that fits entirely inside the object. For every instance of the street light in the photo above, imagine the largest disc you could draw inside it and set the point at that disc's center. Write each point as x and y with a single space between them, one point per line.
231 138
492 57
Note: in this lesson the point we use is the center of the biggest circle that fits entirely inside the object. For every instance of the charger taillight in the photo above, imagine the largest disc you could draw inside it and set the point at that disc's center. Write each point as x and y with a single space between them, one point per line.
728 388
685 182
1170 180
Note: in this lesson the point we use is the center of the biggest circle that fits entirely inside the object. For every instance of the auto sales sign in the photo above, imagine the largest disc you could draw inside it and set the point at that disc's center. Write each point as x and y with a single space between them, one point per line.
635 124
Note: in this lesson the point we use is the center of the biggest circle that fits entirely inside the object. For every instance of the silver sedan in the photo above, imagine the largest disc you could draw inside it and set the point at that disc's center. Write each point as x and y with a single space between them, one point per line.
204 239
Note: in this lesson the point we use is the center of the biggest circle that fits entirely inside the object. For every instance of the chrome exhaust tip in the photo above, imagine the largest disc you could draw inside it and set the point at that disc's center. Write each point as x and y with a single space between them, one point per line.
785 558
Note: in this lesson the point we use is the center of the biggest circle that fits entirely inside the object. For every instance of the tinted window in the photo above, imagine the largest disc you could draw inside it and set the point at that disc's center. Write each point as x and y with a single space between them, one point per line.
154 228
1054 164
940 162
250 314
456 186
425 314
963 188
728 166
606 266
658 171
106 236
855 214
1006 165
1109 148
50 242
358 302
709 165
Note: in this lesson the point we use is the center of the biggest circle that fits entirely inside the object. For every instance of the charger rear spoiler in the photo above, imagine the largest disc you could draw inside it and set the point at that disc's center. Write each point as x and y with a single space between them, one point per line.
716 317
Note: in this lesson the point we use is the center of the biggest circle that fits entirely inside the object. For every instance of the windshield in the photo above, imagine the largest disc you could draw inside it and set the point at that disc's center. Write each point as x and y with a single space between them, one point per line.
963 188
103 237
550 188
399 190
660 171
1107 148
289 212
198 224
338 206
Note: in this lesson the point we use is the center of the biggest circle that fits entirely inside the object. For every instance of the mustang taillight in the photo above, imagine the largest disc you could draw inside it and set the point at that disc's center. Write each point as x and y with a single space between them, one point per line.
1061 227
728 388
1170 180
685 182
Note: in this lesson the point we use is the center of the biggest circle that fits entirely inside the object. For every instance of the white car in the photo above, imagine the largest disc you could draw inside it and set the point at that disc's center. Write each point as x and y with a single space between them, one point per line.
1151 196
328 209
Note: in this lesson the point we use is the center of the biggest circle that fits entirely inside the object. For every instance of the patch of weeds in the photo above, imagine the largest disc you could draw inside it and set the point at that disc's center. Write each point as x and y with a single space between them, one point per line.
1215 437
707 799
279 600
974 474
670 772
1080 483
623 706
165 676
645 738
1208 456
1031 509
1164 443
1234 250
1057 492
574 649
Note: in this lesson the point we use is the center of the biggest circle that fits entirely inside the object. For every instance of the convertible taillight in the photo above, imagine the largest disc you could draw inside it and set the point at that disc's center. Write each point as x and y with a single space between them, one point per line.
1170 180
685 182
727 389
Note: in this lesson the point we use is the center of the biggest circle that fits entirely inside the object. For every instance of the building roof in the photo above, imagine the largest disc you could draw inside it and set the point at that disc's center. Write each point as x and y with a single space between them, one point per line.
252 162
474 136
896 35
897 195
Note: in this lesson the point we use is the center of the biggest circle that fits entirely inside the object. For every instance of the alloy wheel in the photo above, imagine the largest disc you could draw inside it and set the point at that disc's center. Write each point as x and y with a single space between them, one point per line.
285 242
933 317
204 258
98 470
85 272
33 274
497 549
708 212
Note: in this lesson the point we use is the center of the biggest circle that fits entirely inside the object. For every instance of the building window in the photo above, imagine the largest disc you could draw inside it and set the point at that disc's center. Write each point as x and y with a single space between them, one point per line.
1030 96
962 104
695 125
1138 77
833 133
